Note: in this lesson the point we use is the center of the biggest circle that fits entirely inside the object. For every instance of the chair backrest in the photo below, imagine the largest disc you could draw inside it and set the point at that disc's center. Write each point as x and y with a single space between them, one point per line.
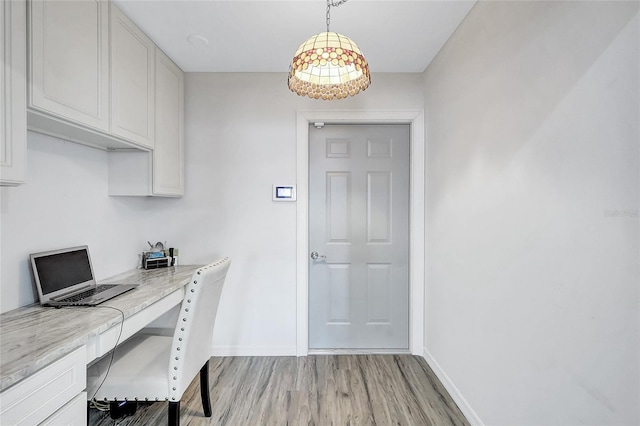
193 335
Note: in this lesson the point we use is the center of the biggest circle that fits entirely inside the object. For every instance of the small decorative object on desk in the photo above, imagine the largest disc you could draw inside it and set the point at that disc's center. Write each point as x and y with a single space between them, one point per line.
173 253
154 260
158 256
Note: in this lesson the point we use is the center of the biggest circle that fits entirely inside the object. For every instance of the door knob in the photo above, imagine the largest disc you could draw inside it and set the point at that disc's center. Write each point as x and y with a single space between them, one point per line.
316 256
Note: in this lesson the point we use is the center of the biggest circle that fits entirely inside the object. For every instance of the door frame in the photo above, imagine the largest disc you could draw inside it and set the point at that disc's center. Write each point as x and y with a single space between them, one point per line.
417 236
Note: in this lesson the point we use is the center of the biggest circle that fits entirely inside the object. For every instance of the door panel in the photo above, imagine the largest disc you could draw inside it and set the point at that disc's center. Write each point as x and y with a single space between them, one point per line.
379 207
339 285
359 220
338 206
378 293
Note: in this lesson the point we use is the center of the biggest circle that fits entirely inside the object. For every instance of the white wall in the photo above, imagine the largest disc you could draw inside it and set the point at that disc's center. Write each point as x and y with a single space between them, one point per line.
533 189
240 138
64 203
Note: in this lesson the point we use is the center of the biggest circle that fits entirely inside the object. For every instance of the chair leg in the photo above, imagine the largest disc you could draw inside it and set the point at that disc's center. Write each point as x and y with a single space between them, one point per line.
204 389
174 413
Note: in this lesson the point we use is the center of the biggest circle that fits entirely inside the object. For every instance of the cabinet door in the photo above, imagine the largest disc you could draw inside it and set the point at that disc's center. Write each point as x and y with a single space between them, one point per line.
69 68
168 173
13 87
132 80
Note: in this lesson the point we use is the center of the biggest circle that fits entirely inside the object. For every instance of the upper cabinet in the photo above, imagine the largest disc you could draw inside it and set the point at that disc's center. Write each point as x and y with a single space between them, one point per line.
91 75
69 61
97 79
13 125
159 173
132 81
168 160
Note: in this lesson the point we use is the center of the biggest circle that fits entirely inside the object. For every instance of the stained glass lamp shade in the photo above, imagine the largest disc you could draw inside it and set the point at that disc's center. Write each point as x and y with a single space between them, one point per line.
329 66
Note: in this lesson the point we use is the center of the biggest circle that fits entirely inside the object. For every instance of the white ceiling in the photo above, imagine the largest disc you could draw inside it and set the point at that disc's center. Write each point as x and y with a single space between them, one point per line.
262 36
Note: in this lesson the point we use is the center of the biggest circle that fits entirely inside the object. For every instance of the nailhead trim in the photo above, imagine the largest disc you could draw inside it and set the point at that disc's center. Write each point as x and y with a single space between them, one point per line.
185 318
178 348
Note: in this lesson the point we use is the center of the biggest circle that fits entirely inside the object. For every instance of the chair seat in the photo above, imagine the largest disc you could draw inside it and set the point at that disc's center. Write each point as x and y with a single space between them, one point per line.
140 366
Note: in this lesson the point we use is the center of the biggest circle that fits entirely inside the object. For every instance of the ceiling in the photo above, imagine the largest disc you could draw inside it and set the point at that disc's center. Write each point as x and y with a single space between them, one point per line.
263 35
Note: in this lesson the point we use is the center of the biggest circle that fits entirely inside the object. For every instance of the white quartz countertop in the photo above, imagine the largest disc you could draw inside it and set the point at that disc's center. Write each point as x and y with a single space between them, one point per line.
33 337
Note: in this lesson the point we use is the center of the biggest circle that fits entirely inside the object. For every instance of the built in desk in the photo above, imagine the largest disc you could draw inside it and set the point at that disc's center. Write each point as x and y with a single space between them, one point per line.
44 351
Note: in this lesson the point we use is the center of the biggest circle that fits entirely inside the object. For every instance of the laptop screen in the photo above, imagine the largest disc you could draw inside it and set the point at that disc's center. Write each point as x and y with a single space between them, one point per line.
59 271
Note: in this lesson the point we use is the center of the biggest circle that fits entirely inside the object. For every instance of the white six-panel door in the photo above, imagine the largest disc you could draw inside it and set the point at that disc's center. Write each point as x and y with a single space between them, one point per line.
359 237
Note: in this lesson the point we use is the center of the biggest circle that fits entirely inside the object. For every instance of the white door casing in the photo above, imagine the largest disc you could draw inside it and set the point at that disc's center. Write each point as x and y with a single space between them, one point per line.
359 221
417 236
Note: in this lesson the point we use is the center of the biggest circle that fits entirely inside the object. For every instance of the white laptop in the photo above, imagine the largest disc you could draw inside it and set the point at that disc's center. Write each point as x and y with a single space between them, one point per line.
65 278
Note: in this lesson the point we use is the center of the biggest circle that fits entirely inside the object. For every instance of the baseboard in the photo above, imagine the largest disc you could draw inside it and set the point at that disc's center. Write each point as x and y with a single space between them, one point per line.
254 351
462 403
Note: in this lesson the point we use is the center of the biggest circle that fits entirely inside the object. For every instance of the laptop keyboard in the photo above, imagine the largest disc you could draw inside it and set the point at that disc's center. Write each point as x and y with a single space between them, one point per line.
87 293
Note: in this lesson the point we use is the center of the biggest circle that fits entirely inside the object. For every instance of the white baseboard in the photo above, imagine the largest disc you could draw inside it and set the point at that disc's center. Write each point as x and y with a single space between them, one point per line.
462 403
254 351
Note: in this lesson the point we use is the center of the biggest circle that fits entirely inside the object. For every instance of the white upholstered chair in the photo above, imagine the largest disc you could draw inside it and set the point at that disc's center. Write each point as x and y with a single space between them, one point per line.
150 367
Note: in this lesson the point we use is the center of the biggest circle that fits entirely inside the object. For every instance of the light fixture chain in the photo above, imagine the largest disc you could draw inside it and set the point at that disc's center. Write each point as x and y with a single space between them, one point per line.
334 4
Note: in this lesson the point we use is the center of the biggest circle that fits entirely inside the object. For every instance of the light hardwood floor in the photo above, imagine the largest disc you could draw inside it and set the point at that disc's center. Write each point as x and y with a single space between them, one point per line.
314 390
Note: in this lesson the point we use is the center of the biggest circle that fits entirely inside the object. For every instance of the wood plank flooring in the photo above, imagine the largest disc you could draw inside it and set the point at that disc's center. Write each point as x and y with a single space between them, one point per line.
315 390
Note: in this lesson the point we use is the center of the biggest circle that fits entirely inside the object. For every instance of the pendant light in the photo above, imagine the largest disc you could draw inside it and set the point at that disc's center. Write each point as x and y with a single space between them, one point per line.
329 65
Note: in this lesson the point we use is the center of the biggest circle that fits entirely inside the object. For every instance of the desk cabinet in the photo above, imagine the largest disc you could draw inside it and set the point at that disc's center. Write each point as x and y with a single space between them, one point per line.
34 399
40 384
74 413
13 118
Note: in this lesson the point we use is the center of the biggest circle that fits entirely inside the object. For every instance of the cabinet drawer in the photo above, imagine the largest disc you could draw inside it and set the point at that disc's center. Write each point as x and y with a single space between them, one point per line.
72 414
38 396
